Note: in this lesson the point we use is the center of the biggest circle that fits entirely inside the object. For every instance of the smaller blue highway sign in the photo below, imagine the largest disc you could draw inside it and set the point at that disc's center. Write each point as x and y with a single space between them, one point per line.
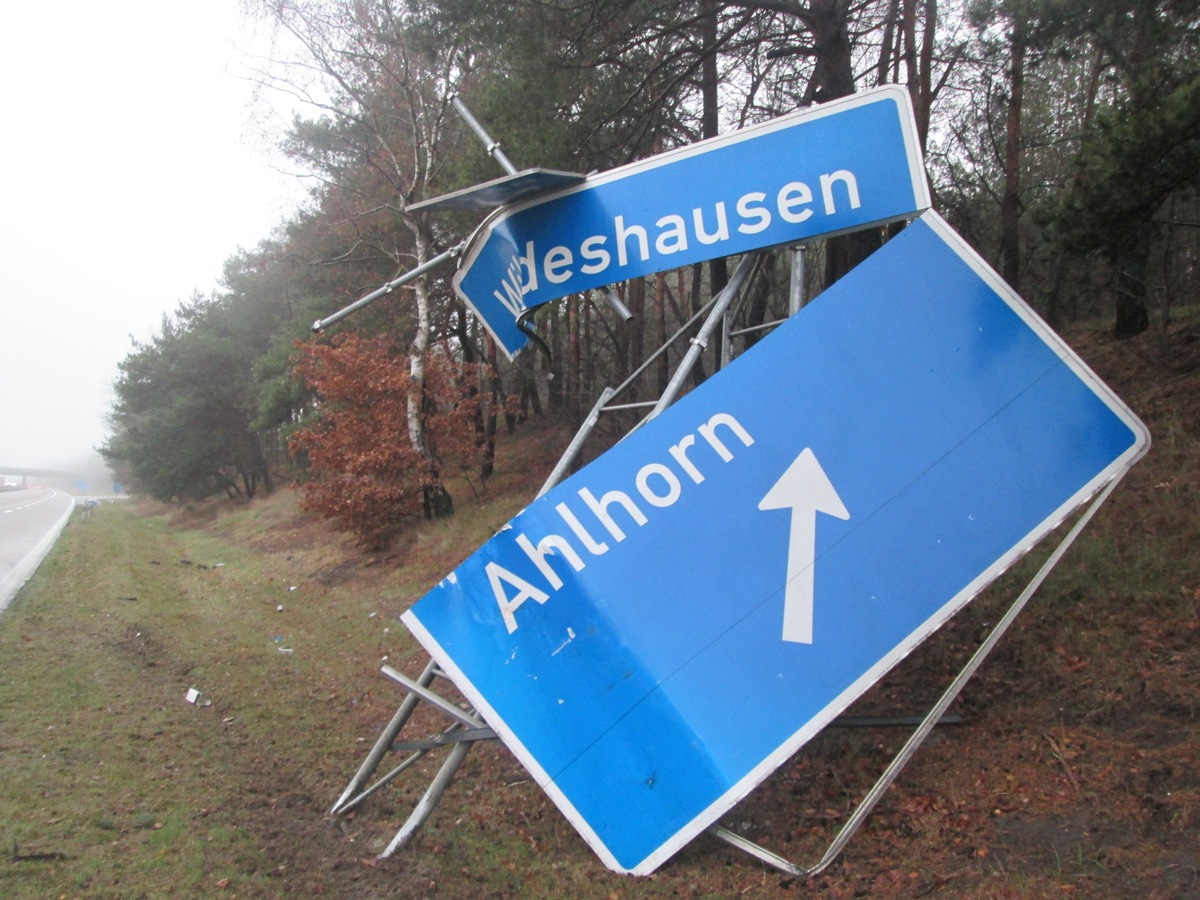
833 168
653 637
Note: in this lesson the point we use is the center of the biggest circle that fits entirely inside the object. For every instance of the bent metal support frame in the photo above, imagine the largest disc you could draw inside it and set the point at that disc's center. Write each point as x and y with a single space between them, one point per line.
467 728
494 151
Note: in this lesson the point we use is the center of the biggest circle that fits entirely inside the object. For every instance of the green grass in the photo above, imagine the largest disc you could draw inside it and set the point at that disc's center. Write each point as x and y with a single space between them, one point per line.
1074 766
115 786
104 762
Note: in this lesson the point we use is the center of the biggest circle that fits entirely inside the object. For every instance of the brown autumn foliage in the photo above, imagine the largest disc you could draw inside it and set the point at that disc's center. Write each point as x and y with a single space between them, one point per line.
364 471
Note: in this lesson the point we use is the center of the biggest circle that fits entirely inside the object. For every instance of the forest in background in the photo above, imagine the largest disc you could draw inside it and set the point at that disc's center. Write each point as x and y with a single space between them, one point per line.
1061 139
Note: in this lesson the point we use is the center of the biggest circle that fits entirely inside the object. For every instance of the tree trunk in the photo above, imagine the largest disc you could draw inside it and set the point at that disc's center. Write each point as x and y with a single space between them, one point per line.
662 369
1132 264
887 47
833 77
495 401
710 122
699 374
573 387
760 295
1010 202
438 504
416 357
635 299
436 500
923 100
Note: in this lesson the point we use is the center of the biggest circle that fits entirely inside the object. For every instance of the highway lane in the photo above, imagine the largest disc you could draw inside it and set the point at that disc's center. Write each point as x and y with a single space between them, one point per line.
30 521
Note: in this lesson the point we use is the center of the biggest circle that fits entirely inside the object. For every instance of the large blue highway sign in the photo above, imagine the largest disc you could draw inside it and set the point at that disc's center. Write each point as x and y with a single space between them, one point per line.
654 636
837 167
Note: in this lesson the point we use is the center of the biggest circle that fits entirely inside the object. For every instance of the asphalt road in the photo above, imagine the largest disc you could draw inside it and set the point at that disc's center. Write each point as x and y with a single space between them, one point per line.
30 522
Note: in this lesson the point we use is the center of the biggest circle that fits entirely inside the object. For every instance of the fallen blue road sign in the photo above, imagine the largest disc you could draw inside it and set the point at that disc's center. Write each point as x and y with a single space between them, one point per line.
656 635
836 167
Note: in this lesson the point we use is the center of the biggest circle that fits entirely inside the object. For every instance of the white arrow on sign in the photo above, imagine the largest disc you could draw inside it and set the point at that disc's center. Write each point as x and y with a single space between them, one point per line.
805 490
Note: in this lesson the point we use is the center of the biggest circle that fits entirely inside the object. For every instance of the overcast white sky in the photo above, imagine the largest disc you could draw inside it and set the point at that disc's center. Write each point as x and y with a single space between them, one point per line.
132 164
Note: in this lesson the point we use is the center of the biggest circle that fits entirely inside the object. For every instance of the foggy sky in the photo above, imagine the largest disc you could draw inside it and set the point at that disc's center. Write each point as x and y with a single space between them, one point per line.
133 164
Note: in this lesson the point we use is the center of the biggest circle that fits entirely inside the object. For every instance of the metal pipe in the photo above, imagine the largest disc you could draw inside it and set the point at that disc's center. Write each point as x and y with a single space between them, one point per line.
429 800
618 406
726 338
700 341
760 853
753 328
620 389
386 289
433 699
446 738
493 147
590 422
956 686
615 304
494 151
419 750
382 745
573 448
796 285
353 802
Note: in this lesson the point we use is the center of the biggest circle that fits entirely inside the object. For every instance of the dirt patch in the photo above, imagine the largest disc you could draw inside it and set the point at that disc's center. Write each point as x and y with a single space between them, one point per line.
338 574
138 644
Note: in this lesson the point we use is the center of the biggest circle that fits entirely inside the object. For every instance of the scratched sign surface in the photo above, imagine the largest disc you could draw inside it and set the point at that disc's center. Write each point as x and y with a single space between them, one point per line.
657 634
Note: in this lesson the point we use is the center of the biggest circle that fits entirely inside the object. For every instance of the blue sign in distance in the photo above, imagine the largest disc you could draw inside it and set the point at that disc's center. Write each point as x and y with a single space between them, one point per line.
833 168
657 634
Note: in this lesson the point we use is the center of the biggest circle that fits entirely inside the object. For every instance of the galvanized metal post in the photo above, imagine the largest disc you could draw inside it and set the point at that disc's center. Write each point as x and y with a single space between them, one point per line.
493 147
796 283
494 151
429 800
700 341
371 763
573 448
387 288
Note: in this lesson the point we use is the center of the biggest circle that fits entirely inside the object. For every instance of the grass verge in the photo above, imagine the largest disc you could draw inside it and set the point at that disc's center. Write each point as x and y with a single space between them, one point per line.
1073 772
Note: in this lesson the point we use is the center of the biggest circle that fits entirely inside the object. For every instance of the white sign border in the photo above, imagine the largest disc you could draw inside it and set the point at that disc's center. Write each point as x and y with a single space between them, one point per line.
916 176
814 725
